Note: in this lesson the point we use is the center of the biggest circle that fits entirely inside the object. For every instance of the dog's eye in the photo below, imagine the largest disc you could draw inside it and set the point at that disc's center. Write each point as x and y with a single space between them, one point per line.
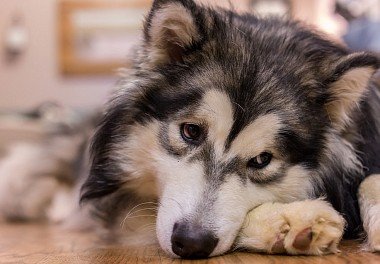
191 132
260 161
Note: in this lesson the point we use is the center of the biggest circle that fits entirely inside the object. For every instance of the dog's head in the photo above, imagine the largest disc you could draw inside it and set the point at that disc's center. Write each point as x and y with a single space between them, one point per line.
220 114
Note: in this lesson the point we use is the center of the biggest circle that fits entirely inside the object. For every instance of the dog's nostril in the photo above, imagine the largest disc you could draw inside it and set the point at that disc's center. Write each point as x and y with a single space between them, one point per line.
191 241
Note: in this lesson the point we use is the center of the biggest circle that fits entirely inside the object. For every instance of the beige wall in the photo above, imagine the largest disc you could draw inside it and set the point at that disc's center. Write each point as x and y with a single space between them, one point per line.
35 76
238 5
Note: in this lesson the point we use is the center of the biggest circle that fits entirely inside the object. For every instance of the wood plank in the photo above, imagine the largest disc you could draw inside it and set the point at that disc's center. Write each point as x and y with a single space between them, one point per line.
32 243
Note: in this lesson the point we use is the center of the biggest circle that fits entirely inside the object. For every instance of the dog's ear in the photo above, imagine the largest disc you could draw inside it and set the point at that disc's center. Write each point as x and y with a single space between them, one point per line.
171 28
348 84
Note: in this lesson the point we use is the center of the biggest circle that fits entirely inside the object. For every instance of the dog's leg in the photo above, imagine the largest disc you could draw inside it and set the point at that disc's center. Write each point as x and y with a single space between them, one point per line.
310 227
369 202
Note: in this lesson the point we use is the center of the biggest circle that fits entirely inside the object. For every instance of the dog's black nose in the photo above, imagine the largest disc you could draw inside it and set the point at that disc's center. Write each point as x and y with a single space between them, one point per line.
191 241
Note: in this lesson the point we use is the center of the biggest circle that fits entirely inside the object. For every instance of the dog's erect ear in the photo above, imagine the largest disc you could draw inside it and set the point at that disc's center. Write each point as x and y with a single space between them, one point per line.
347 86
171 28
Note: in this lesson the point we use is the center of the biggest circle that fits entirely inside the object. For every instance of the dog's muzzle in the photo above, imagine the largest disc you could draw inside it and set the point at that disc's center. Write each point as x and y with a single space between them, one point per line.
192 241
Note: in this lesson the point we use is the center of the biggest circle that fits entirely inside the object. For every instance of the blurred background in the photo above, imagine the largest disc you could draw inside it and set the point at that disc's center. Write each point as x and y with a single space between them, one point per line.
67 51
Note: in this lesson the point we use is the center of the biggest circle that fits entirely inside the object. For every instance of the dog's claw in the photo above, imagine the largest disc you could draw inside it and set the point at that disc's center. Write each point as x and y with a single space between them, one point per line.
278 247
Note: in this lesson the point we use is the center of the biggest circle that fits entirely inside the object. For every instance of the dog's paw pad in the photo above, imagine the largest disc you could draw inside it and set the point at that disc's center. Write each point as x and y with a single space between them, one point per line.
308 242
303 239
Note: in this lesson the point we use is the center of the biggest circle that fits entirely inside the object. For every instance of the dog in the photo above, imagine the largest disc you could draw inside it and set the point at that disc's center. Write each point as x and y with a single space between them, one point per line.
233 131
223 113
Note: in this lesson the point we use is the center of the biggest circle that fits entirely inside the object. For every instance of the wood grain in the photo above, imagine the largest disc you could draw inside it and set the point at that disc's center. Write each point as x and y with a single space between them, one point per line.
21 243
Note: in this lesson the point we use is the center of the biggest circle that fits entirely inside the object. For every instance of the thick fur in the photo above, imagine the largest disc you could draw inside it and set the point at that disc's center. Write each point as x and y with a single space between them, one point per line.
253 85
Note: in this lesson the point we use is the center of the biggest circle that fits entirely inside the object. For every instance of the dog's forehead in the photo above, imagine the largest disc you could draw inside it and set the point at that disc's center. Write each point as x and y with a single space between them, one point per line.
220 113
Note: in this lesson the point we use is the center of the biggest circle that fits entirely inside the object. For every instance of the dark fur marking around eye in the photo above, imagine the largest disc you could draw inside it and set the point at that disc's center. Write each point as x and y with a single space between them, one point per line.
237 127
206 155
235 166
298 150
261 178
214 170
160 103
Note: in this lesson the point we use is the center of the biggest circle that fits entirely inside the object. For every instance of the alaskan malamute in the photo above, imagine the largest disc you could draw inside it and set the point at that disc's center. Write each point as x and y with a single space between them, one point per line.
233 131
223 113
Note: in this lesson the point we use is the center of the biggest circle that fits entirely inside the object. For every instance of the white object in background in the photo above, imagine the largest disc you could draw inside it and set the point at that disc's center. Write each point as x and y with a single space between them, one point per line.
271 7
16 37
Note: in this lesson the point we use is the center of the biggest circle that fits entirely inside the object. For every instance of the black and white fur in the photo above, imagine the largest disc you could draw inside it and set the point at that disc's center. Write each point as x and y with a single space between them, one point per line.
252 86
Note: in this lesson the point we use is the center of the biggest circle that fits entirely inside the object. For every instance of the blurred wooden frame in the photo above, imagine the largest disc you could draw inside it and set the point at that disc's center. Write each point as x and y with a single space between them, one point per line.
69 61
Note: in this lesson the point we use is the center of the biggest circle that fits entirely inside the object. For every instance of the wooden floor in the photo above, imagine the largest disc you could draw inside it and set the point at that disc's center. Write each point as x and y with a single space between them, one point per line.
48 244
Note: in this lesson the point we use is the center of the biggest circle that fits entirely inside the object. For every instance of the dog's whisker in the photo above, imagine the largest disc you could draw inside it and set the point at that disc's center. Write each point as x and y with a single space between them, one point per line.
170 198
144 209
122 224
136 216
131 215
147 227
130 212
239 106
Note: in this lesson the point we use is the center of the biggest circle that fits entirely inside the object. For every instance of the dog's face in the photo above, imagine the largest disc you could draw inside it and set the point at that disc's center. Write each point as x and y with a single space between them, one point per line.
222 113
211 170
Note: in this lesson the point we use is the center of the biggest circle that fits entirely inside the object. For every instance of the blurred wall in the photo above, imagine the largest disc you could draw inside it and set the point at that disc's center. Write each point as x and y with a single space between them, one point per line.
34 77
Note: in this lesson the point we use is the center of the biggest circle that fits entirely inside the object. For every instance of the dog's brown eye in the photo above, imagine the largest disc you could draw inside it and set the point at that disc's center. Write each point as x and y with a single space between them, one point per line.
260 161
191 132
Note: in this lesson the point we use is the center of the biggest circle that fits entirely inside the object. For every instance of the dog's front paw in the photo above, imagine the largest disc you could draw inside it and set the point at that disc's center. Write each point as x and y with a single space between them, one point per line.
309 227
